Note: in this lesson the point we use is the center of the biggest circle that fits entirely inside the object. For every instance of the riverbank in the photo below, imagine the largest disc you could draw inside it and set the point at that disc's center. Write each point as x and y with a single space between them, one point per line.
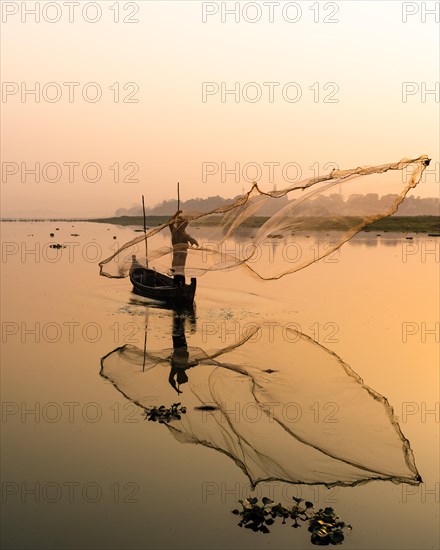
416 224
405 224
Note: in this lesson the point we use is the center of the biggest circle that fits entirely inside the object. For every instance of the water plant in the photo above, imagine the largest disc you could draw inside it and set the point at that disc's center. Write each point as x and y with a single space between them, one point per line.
324 525
164 414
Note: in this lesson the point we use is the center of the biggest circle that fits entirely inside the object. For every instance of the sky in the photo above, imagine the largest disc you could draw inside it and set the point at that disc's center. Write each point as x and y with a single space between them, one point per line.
194 92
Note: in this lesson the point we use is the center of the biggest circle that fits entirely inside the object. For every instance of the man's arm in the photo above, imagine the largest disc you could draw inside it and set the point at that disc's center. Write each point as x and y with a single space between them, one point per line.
191 240
172 221
171 380
175 216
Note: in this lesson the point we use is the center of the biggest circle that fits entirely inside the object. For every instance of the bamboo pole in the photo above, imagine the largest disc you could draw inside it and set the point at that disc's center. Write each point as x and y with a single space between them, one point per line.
145 232
145 341
146 261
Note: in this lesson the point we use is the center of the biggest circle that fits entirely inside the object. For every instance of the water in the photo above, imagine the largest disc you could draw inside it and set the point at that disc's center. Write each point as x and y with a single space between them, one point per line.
85 470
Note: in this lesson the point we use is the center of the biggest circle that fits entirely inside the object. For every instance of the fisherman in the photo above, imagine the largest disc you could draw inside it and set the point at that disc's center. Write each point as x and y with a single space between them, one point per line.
180 240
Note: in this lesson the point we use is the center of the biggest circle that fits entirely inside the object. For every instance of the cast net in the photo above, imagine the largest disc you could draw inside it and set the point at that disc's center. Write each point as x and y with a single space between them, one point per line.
339 205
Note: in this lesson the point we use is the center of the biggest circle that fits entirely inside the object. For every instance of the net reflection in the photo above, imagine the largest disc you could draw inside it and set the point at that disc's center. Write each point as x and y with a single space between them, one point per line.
292 411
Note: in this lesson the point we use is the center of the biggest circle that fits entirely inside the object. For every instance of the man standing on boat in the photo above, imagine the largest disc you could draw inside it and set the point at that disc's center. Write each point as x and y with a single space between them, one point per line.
180 240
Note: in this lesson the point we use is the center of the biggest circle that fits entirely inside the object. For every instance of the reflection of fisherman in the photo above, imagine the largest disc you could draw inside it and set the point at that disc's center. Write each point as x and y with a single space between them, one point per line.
180 358
180 240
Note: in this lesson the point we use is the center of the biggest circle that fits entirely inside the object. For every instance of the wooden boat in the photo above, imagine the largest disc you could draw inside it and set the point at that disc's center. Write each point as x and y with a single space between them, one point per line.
157 286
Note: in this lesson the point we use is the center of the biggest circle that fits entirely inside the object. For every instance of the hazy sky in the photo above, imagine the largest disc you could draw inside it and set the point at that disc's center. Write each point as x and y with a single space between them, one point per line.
350 85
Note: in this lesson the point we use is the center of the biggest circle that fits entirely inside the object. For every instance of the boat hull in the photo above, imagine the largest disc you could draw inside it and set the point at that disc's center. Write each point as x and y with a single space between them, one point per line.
151 284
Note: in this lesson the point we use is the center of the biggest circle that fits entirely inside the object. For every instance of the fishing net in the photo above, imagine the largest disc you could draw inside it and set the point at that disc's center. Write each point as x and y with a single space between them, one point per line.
297 414
338 205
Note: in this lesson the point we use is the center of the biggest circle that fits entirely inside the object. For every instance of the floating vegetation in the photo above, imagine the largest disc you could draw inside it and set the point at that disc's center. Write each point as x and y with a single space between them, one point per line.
324 525
164 414
56 246
206 408
326 528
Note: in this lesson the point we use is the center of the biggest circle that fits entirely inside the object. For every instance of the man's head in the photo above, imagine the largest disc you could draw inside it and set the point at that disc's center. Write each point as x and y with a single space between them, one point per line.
182 224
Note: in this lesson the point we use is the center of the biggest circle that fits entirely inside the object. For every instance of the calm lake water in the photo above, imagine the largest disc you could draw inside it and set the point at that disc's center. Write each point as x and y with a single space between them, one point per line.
82 469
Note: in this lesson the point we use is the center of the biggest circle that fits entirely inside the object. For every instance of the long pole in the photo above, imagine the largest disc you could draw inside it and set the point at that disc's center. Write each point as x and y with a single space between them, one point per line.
146 261
145 341
145 232
178 196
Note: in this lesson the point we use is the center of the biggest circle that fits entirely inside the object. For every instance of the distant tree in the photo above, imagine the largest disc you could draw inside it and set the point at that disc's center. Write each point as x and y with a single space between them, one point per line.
355 204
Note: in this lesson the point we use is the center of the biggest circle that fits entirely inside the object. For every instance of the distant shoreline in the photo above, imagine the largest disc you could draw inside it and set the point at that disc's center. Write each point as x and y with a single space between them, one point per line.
416 224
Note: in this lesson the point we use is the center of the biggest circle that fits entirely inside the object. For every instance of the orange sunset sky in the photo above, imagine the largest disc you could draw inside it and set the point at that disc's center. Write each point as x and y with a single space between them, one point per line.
365 91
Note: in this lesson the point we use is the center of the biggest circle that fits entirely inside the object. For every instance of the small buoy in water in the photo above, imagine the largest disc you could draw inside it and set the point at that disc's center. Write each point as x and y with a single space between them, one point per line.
52 234
114 236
